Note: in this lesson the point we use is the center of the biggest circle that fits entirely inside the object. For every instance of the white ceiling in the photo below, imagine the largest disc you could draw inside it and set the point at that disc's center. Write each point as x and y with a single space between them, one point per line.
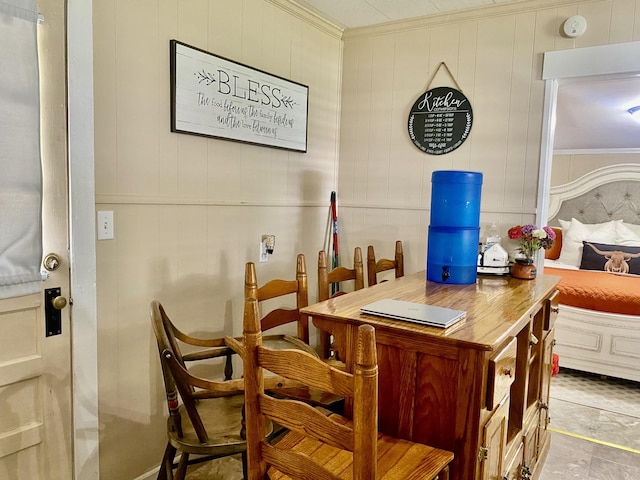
593 114
360 13
590 115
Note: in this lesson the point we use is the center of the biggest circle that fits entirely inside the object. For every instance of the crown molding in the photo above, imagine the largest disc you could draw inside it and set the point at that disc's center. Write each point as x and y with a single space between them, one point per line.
308 16
510 8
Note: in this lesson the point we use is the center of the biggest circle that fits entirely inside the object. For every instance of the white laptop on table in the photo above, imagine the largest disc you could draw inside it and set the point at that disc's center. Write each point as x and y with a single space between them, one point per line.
430 315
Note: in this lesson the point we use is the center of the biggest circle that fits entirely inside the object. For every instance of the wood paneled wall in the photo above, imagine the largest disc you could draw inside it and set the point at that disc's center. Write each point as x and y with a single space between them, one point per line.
495 56
569 167
190 211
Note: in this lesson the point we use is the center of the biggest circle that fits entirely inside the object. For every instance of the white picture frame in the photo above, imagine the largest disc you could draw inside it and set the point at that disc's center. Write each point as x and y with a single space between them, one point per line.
216 97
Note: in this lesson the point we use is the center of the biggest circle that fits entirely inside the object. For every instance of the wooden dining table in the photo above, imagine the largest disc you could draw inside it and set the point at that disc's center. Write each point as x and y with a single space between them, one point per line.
434 383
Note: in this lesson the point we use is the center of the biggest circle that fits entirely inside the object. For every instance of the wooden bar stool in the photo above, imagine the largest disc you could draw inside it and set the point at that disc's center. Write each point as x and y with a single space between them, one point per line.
322 445
375 267
282 315
337 275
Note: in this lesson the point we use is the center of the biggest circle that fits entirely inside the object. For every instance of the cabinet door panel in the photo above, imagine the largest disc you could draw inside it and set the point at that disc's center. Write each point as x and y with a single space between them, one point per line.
494 441
547 365
514 469
530 441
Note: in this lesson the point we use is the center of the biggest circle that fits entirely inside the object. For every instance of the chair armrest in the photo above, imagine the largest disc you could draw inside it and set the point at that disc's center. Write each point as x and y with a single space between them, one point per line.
235 345
229 388
196 341
213 387
206 354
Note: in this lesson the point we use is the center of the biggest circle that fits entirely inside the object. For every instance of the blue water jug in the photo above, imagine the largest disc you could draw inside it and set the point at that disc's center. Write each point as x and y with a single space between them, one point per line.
455 198
454 230
452 254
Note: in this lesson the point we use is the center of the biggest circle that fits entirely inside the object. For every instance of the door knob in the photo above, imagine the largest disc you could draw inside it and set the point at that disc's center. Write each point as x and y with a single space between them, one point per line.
59 302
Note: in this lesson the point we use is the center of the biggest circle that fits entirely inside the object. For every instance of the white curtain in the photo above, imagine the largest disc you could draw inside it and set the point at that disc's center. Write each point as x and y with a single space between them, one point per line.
20 171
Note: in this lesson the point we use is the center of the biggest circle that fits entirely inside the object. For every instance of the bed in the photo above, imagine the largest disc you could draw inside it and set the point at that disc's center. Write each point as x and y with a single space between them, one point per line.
597 254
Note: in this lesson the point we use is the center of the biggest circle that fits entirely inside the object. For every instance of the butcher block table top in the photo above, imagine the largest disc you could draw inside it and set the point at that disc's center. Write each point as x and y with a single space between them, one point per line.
496 307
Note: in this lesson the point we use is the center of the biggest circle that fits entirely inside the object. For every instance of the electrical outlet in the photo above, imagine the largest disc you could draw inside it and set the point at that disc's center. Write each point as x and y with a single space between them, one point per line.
267 245
263 255
105 225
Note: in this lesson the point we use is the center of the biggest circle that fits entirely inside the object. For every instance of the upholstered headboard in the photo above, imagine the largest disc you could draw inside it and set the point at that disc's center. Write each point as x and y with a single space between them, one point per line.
608 193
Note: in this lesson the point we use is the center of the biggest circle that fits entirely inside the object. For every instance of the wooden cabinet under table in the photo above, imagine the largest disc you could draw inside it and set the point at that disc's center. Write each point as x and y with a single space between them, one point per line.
479 388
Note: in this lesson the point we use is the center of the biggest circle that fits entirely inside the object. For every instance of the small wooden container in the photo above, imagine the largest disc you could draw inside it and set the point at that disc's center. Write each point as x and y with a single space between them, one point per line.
524 269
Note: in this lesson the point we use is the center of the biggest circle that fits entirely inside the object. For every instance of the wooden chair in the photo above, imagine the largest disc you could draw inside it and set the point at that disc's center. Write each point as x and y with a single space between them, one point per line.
281 316
208 421
338 275
320 444
375 267
279 288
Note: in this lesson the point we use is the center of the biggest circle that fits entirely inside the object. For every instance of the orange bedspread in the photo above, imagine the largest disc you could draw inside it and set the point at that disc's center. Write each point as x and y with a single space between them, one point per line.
601 291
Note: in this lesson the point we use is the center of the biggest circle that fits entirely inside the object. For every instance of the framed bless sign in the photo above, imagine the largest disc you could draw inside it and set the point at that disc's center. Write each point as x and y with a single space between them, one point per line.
215 97
440 120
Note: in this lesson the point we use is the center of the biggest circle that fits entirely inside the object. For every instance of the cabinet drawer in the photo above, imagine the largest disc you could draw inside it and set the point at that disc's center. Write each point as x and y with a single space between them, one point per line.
502 372
551 310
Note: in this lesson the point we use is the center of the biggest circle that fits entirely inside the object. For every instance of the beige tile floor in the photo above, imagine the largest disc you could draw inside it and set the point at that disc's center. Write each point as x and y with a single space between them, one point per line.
595 426
228 468
595 433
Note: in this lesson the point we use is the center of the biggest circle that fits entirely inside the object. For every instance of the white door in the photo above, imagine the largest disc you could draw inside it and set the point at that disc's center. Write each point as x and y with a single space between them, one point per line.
35 369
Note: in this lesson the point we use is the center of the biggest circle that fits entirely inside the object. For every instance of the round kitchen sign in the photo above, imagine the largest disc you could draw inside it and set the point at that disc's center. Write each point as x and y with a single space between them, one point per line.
440 120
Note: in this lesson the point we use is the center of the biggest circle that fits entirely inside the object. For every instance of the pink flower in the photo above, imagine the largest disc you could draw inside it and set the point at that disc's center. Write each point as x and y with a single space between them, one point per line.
550 233
532 238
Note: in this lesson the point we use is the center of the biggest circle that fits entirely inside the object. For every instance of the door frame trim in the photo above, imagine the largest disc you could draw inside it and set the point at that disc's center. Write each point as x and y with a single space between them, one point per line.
612 59
82 254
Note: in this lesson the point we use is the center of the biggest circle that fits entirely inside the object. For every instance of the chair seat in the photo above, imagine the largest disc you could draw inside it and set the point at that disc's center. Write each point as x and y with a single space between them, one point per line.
282 342
397 459
223 419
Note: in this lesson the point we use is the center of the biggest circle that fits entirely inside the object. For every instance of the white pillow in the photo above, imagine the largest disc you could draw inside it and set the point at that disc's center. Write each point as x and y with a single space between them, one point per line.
626 236
572 238
591 227
633 227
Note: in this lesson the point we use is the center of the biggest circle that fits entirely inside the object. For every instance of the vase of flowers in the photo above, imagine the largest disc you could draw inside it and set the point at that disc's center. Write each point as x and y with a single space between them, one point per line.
530 239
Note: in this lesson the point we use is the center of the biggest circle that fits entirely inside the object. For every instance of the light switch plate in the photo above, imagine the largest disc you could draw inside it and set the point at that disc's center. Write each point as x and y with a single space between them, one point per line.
105 225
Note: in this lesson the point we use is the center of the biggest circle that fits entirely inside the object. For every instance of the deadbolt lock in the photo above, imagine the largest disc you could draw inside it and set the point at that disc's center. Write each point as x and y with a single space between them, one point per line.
51 262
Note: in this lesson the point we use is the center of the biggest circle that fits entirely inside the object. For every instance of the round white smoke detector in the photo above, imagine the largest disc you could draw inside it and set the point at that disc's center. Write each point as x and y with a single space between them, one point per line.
575 26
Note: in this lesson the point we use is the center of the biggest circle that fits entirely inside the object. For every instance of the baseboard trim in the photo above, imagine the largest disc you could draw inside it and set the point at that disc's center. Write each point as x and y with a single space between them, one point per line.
149 475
